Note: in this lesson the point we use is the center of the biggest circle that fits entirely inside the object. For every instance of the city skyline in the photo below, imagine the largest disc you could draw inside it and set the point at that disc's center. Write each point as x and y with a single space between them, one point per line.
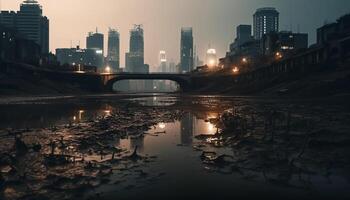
212 22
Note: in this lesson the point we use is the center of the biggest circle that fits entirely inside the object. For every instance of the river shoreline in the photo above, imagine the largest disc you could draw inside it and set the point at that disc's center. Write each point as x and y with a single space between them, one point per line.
212 139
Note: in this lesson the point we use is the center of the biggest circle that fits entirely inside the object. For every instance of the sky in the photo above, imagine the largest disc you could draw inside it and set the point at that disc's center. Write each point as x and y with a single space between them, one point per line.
213 21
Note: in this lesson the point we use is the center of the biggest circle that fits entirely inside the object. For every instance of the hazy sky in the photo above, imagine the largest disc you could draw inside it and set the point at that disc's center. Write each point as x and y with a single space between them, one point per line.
213 21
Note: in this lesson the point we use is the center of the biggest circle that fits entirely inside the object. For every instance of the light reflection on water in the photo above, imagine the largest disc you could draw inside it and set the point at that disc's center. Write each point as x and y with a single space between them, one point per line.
172 142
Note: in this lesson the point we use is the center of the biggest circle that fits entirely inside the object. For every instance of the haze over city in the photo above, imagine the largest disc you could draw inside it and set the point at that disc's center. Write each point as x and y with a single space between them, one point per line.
213 21
174 99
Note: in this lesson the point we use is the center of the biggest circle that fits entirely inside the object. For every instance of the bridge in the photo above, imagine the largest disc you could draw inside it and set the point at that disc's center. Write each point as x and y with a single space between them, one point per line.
97 82
184 80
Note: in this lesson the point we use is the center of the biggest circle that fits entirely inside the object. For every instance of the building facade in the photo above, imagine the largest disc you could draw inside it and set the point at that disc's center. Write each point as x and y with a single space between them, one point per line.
30 22
78 57
243 35
95 43
113 55
266 20
186 50
15 47
283 42
211 58
135 57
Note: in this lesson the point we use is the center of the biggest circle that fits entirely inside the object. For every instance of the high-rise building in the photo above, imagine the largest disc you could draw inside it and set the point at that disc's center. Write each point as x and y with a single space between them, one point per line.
135 61
186 50
30 22
113 55
77 56
266 20
94 41
283 42
8 19
163 62
136 39
212 59
135 56
243 35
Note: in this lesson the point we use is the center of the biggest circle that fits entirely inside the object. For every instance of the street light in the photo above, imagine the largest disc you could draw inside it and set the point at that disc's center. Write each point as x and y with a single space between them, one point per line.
235 70
244 60
278 55
108 69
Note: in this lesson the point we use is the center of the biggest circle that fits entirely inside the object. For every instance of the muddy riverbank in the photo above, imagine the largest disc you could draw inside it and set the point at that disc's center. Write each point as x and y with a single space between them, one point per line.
108 147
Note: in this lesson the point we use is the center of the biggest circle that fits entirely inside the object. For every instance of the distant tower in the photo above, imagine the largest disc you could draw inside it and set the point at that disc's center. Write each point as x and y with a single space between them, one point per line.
135 56
211 58
163 61
113 55
186 50
136 39
266 20
94 41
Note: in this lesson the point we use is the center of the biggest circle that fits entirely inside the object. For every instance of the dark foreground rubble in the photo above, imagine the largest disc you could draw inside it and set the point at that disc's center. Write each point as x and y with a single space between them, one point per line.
279 145
64 161
296 145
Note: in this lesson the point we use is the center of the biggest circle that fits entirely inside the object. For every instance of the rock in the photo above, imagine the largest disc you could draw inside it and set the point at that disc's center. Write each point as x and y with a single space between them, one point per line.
6 169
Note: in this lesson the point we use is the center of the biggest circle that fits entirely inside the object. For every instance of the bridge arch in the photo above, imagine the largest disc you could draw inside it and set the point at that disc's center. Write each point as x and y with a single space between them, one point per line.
183 80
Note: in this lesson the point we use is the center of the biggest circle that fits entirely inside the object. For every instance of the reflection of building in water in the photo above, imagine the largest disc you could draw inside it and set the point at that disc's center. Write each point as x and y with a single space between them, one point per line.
139 142
187 129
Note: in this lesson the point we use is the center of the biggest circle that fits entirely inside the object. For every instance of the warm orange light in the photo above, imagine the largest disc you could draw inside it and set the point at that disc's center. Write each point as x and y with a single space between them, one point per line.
212 63
278 55
235 70
244 60
108 69
161 125
107 113
210 127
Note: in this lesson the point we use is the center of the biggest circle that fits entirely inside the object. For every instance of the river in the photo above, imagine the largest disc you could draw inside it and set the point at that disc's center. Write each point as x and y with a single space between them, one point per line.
173 147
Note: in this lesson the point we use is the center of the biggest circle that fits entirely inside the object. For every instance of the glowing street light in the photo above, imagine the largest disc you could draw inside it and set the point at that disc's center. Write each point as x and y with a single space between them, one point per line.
278 55
235 70
108 69
212 63
244 60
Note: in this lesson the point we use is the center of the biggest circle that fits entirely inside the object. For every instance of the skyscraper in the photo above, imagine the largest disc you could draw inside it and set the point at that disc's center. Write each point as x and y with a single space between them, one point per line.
94 41
135 57
266 20
163 61
136 39
30 22
135 61
212 60
113 55
186 50
244 33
